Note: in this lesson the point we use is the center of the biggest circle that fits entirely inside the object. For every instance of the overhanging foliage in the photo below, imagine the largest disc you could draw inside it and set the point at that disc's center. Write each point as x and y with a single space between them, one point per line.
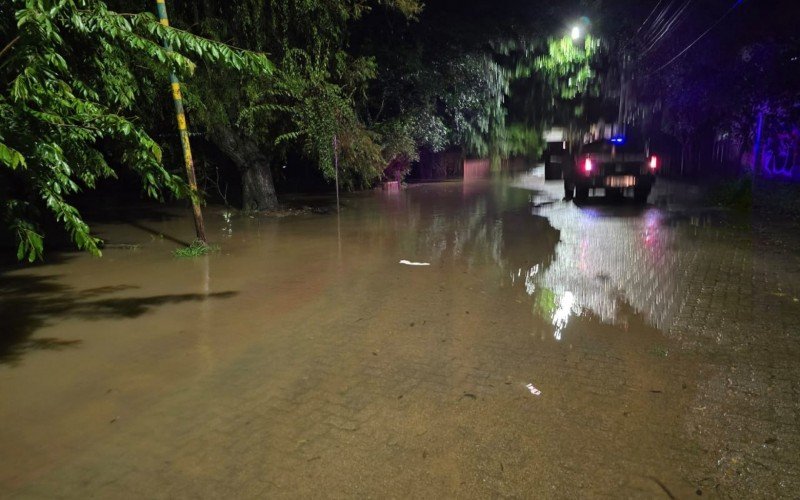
68 88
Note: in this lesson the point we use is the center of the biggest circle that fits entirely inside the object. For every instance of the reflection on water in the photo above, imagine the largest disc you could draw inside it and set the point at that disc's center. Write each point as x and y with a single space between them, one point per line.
528 276
566 260
444 224
605 259
561 316
612 258
602 259
227 227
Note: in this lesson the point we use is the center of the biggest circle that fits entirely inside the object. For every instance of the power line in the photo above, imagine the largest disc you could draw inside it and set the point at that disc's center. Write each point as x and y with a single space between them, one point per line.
675 19
649 16
731 9
658 21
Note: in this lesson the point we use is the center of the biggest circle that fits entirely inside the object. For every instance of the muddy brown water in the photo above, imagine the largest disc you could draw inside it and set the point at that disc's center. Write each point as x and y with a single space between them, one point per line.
536 354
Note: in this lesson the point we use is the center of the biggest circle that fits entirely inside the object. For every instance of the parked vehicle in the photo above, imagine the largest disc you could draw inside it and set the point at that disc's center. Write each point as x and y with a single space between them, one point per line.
555 155
619 165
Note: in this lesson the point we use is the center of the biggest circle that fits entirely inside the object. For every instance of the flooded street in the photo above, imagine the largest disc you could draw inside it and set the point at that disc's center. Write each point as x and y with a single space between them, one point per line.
548 349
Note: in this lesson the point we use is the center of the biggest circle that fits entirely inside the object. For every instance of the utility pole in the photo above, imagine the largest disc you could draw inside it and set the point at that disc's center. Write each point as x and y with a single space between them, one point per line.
622 110
757 146
199 227
336 171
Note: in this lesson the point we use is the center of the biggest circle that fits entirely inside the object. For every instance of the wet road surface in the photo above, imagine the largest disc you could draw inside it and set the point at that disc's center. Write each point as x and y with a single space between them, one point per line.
547 350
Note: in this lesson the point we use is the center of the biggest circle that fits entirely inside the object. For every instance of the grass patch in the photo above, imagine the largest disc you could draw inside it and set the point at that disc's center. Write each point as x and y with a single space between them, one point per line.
196 249
736 194
659 351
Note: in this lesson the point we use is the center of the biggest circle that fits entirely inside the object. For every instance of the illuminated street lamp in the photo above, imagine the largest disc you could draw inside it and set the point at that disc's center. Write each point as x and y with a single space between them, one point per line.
576 32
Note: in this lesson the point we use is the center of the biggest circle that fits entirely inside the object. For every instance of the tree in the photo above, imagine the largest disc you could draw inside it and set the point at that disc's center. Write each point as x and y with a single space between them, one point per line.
555 81
312 96
482 77
717 85
69 82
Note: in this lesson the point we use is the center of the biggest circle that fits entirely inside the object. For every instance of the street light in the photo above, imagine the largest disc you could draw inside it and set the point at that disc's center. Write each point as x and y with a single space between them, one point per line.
576 32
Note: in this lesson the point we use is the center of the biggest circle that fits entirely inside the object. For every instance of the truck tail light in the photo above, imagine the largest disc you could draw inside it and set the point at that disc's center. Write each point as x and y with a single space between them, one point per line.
653 162
587 165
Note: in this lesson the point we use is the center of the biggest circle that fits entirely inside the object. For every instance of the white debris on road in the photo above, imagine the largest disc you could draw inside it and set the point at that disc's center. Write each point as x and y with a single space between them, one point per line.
409 263
534 390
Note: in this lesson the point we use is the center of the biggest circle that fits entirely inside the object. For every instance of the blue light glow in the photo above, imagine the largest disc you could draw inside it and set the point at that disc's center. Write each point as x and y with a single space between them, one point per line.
618 139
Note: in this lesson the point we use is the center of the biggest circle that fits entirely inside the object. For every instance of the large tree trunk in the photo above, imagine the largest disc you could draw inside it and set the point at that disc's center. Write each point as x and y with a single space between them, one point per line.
258 191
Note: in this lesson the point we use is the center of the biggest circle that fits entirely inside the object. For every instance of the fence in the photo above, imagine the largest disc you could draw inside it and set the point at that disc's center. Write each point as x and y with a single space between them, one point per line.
476 169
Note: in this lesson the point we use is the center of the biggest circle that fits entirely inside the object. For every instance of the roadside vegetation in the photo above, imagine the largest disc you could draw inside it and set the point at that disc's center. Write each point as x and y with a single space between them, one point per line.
196 248
84 95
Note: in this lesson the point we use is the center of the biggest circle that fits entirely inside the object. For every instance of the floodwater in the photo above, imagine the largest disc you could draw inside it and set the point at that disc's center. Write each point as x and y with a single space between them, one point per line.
547 350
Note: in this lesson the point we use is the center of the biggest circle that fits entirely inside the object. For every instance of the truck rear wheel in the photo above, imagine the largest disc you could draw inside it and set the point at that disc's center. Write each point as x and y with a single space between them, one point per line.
552 171
640 194
569 190
581 193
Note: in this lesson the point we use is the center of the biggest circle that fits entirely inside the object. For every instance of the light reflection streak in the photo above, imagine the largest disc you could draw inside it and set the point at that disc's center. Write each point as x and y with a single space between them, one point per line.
562 314
227 228
528 276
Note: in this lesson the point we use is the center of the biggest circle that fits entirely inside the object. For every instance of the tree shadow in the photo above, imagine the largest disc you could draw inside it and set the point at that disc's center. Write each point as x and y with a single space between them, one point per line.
140 216
156 233
59 245
29 303
9 261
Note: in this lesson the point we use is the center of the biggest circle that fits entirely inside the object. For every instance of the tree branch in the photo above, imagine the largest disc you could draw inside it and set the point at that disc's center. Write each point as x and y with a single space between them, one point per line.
9 45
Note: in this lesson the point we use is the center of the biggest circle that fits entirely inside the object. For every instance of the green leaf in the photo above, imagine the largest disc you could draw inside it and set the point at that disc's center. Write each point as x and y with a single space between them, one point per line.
11 157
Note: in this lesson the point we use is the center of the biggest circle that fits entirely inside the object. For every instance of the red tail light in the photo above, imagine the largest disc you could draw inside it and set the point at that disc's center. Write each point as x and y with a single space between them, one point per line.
653 162
587 165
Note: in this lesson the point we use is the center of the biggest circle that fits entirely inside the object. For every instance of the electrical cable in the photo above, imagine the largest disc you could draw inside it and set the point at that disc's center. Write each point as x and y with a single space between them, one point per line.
674 21
714 25
658 21
648 16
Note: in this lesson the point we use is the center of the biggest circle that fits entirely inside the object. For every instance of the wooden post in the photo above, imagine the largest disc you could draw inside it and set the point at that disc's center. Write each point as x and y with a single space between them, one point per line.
336 167
199 226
